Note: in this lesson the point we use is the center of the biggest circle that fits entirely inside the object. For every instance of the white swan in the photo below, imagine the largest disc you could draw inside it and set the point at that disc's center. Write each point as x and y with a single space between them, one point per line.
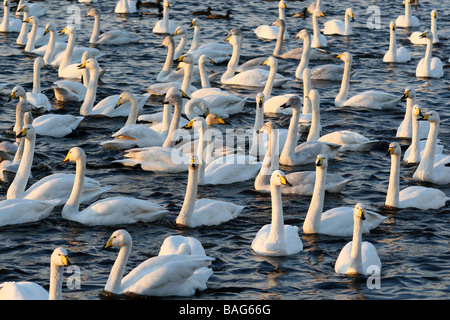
107 106
165 26
26 290
415 151
415 36
327 72
108 211
55 187
395 54
338 27
111 37
248 78
165 159
203 212
305 153
319 40
276 238
9 24
301 182
336 221
167 74
36 9
429 169
429 66
32 40
53 47
373 99
407 20
270 32
411 197
404 129
357 256
125 6
163 275
36 97
133 135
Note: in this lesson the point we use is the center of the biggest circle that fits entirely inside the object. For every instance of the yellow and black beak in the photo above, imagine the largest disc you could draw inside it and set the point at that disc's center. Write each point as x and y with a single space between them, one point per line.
319 162
184 95
423 35
284 181
63 31
107 245
405 96
22 133
361 214
119 103
65 260
82 66
189 125
423 118
12 96
390 151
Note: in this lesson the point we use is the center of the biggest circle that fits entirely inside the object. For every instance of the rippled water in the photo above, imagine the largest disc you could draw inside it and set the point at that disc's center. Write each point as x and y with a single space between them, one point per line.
412 244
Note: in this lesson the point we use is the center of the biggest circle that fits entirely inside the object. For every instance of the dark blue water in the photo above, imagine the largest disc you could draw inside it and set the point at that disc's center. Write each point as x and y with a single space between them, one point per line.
412 244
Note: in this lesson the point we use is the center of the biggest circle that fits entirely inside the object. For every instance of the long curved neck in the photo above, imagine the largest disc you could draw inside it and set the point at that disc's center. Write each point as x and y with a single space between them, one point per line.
187 78
167 118
17 187
314 214
304 61
170 57
165 21
30 46
408 119
56 281
276 239
50 51
203 75
348 26
72 204
434 29
270 81
5 22
23 35
414 153
291 139
134 110
281 14
428 54
307 107
270 161
91 93
68 53
343 92
115 276
187 210
314 131
181 45
96 30
425 168
393 44
316 31
170 139
407 11
393 192
195 39
355 265
36 78
280 38
233 62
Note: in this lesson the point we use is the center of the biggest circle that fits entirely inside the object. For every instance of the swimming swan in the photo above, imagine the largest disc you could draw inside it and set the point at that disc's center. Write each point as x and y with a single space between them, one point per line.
338 27
407 20
125 6
36 97
336 221
429 66
357 256
415 36
163 275
373 99
9 24
404 129
203 212
410 197
26 290
165 26
319 40
395 54
432 168
270 32
277 238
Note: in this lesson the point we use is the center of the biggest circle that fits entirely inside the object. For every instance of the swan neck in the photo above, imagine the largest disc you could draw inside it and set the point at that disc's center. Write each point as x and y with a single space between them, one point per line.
233 62
355 265
115 277
291 139
134 110
50 51
426 165
30 46
204 76
276 236
343 92
72 205
314 131
270 161
91 93
167 117
414 154
304 61
187 78
393 193
170 139
428 53
56 281
270 81
195 39
17 187
187 210
393 45
314 214
96 30
170 57
166 19
23 35
180 47
279 44
36 79
68 53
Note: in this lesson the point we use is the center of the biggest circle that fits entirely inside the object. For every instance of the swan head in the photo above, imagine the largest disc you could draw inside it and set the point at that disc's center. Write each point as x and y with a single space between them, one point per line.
186 58
233 40
119 238
433 14
69 30
409 93
346 57
359 211
90 64
392 26
394 149
174 96
431 116
279 23
234 32
179 30
194 23
302 34
49 27
124 98
203 59
278 178
17 91
74 154
27 131
417 112
318 13
92 13
196 123
6 3
314 96
322 161
271 62
349 12
293 102
267 127
427 34
168 41
24 8
60 257
166 4
32 20
213 119
281 4
260 100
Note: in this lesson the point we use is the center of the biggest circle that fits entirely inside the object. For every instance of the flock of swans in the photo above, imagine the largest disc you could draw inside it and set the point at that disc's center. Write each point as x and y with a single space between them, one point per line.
182 266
